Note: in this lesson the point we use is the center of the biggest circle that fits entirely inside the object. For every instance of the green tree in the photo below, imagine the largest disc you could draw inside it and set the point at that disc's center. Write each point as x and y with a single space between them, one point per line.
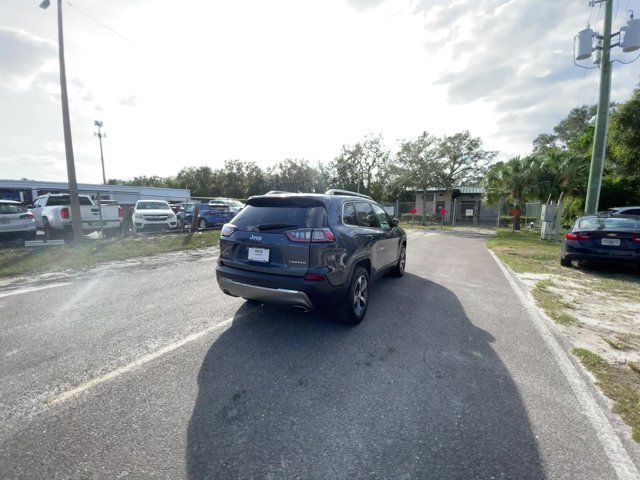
461 160
510 180
294 175
624 137
358 166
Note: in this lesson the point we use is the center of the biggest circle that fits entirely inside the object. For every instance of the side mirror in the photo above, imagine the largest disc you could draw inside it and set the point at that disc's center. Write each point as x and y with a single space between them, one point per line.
395 222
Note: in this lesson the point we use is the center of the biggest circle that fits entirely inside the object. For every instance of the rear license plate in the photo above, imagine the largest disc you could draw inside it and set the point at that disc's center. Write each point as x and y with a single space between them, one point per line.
258 254
94 224
614 242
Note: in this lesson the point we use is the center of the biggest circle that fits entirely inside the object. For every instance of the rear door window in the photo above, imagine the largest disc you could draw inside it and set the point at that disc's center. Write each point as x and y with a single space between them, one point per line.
366 217
279 214
382 216
349 216
9 208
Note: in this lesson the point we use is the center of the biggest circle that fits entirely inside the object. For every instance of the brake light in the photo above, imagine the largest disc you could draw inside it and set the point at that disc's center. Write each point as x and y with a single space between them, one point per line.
320 235
120 212
27 215
635 239
577 236
314 277
64 212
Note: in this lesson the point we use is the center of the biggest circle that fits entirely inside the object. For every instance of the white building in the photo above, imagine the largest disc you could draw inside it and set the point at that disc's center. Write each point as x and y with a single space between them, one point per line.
27 190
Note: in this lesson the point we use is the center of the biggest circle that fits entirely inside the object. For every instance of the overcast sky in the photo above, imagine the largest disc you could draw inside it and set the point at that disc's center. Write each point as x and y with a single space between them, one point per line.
196 82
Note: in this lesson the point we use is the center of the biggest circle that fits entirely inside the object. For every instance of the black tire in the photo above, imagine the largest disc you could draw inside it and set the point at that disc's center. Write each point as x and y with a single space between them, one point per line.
202 224
565 262
398 270
355 309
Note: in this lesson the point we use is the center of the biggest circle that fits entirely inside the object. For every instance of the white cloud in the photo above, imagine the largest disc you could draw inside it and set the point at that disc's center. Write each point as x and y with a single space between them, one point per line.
263 81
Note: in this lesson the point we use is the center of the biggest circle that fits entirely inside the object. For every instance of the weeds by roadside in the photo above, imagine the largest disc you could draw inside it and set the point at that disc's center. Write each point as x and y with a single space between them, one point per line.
21 261
618 382
553 304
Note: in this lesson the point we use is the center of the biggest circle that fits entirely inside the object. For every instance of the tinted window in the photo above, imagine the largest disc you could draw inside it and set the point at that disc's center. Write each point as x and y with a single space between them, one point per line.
633 211
280 216
11 208
383 218
366 217
64 200
349 214
598 223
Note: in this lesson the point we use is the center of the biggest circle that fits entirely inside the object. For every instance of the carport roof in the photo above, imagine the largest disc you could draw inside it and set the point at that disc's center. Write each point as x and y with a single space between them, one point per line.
462 189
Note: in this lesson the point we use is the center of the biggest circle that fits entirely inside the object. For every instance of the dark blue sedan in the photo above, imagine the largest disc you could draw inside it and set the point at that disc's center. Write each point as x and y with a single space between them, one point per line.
603 239
210 215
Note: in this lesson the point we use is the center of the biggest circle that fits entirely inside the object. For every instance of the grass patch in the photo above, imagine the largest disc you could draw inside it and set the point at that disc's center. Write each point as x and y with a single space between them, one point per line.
617 343
553 304
524 252
21 261
619 383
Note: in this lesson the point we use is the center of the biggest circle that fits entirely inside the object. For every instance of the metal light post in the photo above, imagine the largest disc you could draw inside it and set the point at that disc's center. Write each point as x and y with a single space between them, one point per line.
100 134
74 201
629 40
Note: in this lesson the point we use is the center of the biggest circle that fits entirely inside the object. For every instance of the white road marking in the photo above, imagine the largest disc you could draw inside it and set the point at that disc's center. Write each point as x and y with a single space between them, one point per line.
18 291
615 451
135 364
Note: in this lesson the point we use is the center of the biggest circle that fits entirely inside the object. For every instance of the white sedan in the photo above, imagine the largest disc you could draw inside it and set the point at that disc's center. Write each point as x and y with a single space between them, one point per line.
16 222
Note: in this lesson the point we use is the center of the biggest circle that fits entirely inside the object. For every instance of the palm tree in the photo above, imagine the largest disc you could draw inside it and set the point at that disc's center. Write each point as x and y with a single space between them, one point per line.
511 180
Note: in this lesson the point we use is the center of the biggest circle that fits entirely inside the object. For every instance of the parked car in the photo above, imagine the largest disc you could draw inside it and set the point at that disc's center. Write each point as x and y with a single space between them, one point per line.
602 238
210 215
153 215
16 222
234 205
624 211
53 215
310 250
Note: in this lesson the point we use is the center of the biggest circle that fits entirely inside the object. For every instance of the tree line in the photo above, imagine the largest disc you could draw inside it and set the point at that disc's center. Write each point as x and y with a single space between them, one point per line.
367 166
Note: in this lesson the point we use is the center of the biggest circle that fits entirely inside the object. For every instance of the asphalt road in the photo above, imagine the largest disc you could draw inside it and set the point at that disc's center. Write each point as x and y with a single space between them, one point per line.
150 371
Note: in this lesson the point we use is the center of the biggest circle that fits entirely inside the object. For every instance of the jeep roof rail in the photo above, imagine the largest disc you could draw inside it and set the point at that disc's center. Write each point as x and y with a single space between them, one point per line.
335 191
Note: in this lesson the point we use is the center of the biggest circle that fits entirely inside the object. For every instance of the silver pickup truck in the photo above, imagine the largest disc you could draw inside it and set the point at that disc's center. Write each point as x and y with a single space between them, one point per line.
52 214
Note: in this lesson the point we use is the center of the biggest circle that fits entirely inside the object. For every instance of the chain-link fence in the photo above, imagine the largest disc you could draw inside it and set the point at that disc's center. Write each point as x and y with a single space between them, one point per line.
450 212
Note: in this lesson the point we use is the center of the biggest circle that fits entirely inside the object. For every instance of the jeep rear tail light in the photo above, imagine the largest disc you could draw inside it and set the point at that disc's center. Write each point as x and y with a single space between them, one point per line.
64 212
636 239
306 235
27 215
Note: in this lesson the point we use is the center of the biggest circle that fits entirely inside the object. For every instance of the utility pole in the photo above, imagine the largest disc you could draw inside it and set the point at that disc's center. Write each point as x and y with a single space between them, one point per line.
74 201
602 119
100 134
629 40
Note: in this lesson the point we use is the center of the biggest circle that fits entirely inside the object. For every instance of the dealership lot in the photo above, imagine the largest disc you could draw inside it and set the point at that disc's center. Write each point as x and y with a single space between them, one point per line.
149 369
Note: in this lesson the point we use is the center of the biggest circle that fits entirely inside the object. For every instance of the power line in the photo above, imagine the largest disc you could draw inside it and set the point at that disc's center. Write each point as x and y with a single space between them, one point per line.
99 22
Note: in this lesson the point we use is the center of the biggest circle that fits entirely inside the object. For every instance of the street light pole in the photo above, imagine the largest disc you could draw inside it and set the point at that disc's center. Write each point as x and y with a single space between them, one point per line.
74 201
602 119
100 135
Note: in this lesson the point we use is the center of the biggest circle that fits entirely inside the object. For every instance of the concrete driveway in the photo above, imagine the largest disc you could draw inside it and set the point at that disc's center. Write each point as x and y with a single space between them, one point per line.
150 371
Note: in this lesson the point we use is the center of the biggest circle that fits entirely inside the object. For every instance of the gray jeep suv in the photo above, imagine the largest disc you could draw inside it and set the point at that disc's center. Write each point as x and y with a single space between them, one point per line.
310 251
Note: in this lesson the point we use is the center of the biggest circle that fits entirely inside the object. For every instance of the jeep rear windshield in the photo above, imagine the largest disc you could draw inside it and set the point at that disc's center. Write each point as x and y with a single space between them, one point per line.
279 214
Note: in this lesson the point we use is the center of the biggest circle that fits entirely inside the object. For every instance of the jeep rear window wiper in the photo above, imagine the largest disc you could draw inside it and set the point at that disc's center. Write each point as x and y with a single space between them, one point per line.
274 226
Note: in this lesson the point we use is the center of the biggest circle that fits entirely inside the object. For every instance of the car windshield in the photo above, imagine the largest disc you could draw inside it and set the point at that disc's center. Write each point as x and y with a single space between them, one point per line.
608 223
8 208
152 206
